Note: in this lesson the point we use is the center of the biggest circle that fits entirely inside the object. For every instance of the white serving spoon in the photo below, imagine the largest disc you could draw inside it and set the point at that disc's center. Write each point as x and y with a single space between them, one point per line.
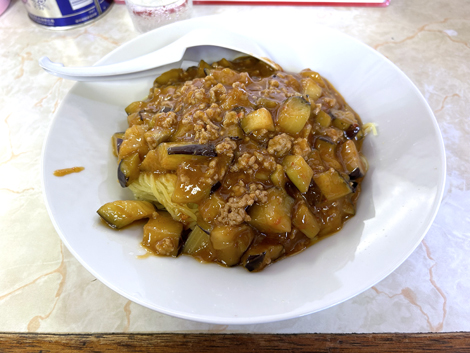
173 52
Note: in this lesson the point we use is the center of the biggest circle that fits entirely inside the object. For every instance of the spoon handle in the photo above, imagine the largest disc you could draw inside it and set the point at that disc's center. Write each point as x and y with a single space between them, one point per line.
169 54
166 55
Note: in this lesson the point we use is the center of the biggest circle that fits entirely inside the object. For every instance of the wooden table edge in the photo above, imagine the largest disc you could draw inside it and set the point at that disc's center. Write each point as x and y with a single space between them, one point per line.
216 342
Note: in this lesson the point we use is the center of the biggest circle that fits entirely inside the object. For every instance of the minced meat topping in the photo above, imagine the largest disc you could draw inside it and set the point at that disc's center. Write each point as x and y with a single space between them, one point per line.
252 148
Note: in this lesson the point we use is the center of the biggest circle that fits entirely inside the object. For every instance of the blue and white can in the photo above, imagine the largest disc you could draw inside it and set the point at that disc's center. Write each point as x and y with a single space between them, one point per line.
65 14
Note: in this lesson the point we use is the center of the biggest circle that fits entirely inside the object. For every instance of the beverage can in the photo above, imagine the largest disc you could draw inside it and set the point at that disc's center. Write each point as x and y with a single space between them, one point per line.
65 14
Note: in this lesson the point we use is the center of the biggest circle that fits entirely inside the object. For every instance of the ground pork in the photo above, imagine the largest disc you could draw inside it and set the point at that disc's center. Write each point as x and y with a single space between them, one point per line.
334 134
197 97
251 162
165 120
301 147
205 129
280 145
231 118
261 135
209 81
246 162
226 147
214 113
216 172
218 93
165 247
317 109
234 211
330 102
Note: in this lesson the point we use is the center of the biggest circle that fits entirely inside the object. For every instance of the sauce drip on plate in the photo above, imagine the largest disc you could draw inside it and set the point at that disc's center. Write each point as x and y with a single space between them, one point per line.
67 171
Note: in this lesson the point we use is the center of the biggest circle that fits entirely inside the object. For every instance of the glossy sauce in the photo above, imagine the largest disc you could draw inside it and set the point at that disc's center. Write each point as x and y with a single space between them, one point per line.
255 93
67 171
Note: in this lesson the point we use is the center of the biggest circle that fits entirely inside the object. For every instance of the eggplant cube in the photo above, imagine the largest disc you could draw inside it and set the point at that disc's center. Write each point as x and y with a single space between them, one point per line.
313 75
311 89
128 169
352 160
134 107
257 257
210 207
298 171
343 119
275 215
305 220
323 119
162 235
278 177
119 214
117 139
156 136
231 242
327 151
257 120
207 150
332 184
191 185
234 131
169 76
293 114
172 161
197 241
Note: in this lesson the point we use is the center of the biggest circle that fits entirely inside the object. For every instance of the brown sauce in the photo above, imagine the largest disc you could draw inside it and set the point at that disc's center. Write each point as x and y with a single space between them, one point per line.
208 106
67 171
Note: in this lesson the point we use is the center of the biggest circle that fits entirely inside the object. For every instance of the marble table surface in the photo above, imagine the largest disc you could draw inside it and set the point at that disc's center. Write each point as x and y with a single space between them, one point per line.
43 288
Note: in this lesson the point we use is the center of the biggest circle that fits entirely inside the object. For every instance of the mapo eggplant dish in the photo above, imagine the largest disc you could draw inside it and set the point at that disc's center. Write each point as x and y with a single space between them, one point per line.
237 163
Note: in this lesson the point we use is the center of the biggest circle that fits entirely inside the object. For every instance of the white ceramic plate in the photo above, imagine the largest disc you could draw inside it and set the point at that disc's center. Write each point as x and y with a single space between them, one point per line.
400 198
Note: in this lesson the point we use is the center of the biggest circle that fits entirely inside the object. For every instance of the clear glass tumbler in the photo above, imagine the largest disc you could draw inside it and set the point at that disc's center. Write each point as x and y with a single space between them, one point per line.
149 14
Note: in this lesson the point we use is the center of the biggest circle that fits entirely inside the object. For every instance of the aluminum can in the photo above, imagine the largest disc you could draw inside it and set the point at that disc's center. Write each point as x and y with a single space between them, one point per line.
65 14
